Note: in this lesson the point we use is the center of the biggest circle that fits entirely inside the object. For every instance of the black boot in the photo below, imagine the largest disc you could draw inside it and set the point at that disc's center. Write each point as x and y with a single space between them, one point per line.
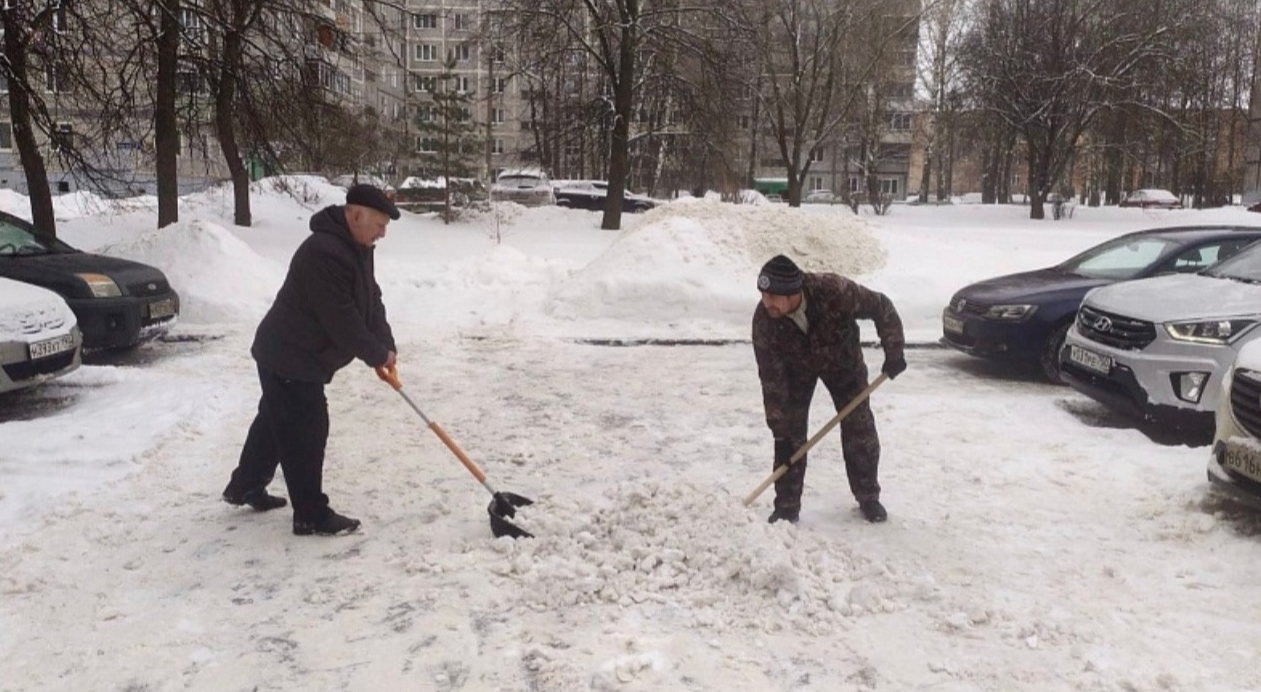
258 498
781 514
331 525
873 511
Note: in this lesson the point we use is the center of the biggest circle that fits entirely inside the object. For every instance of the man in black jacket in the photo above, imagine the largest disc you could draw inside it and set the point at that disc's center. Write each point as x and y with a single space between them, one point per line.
328 312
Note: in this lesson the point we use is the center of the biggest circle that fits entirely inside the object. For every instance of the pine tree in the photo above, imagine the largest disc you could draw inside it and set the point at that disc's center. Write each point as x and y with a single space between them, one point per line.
450 141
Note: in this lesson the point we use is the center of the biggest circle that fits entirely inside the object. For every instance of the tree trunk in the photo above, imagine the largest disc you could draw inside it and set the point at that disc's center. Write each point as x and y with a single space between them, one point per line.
226 131
24 136
165 123
623 106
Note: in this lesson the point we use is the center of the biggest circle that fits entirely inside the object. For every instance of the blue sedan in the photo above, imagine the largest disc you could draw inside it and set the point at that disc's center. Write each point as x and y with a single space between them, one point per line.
1025 316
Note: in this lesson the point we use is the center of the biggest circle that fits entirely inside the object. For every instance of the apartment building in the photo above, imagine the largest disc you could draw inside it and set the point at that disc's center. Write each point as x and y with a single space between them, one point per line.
878 138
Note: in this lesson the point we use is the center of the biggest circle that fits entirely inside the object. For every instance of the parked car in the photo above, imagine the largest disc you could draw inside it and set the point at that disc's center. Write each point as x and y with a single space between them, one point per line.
1159 348
820 197
1256 207
1025 316
118 303
1152 199
1235 461
429 194
529 187
39 337
593 194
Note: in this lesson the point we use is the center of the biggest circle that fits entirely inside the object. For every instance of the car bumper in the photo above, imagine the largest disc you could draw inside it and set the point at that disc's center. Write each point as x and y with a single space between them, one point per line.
984 338
18 371
124 321
1142 383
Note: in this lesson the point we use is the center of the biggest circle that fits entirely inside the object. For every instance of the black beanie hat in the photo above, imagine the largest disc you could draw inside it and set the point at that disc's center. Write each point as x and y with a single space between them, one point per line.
780 276
370 196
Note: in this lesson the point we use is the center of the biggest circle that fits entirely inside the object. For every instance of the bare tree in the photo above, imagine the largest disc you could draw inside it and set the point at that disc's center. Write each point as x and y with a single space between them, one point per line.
1048 68
942 32
817 65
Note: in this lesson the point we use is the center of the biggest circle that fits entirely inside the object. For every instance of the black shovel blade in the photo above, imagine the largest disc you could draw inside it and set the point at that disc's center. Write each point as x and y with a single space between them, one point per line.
501 509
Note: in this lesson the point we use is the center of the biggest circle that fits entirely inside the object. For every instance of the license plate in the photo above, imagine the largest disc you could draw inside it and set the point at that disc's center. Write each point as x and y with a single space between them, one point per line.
953 325
161 308
51 347
1242 460
1090 360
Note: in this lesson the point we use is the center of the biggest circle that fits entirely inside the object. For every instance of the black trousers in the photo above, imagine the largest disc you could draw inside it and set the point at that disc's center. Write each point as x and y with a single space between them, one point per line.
290 430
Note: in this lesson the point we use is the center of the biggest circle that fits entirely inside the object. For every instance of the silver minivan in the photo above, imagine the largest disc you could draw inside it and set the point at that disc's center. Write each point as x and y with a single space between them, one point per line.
1158 348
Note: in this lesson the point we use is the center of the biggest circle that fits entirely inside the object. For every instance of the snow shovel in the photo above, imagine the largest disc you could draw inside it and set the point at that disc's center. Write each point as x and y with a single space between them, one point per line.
503 506
840 415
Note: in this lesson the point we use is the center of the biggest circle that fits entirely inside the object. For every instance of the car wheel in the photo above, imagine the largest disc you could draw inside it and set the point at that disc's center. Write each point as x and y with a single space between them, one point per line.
1050 360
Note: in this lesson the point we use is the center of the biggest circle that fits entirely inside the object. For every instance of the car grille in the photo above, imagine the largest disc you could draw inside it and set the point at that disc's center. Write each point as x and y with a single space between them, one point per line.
28 369
964 305
1116 331
1245 400
142 288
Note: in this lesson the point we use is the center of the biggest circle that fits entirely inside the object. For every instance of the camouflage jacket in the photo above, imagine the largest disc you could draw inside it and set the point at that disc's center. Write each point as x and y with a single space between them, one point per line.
786 357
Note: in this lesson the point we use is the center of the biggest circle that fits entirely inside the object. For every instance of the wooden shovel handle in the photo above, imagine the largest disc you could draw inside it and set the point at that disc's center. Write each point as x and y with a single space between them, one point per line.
840 415
459 453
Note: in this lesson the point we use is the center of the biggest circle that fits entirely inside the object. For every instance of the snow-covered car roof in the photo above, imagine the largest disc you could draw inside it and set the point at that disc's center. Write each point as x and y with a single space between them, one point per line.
522 173
1154 193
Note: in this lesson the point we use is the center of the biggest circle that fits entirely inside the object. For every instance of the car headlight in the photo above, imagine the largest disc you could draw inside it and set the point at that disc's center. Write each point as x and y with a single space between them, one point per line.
1208 331
101 286
1011 313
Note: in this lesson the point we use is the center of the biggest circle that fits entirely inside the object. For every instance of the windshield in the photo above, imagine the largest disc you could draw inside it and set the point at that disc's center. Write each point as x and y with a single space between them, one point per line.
1118 259
19 238
1246 266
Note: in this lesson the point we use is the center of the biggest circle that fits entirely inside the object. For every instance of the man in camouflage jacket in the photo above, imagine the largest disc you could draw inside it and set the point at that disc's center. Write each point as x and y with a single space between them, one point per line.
805 329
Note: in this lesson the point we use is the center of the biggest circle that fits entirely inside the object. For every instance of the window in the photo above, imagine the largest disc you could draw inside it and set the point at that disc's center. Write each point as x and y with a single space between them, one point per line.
900 122
743 122
464 84
6 136
427 145
462 22
62 137
525 125
424 21
499 55
889 186
423 83
426 114
816 155
497 147
897 91
426 52
369 76
906 58
52 79
497 116
853 184
59 19
501 85
189 81
816 182
461 52
463 115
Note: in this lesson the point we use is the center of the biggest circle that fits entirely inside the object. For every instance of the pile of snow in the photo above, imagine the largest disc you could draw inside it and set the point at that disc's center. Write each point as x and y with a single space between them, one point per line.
699 259
219 277
702 557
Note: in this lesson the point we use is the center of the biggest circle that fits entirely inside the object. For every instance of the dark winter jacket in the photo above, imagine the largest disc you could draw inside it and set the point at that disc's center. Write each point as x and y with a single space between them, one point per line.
788 358
329 310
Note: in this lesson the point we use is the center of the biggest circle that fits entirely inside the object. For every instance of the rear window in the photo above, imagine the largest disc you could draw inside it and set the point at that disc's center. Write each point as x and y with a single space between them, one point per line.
520 181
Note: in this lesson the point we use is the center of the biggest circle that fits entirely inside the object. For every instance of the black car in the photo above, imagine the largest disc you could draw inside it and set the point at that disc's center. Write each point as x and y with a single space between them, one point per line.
592 195
1024 317
118 303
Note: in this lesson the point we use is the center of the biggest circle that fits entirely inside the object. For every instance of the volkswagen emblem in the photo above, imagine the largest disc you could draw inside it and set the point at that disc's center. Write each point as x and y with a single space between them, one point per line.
1102 324
960 304
153 287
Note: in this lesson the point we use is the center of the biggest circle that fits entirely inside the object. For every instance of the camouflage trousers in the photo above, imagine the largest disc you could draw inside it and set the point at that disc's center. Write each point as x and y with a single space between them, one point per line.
860 443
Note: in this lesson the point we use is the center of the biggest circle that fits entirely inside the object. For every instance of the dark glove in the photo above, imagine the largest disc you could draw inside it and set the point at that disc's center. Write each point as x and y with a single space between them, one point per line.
893 366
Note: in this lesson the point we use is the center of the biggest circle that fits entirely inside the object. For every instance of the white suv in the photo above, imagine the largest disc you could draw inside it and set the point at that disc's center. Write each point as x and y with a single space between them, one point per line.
1158 348
1235 462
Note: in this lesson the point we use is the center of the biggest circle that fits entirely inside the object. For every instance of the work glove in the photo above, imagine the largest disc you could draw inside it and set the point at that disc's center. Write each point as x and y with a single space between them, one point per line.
893 366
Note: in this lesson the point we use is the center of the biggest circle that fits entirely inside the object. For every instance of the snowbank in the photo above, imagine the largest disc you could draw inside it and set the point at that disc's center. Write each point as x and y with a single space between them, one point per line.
699 260
219 278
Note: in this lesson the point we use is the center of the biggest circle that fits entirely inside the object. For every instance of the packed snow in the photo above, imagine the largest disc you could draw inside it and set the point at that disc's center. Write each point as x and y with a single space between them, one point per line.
1035 541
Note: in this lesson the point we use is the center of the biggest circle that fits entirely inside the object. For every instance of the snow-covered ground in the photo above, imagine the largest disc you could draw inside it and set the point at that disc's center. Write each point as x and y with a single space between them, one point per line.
1035 542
